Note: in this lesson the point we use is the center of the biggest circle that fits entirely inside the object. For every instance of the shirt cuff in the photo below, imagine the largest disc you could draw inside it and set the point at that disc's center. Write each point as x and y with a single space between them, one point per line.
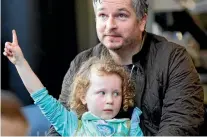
38 93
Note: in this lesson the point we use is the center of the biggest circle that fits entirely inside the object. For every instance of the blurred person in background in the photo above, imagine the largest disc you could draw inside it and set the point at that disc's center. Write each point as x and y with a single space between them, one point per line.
13 121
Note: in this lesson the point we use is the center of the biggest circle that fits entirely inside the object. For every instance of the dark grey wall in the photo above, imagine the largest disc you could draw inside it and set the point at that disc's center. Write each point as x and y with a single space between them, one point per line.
47 35
22 16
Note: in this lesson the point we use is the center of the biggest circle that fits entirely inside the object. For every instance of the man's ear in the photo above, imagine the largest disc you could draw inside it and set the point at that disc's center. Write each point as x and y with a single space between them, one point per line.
143 22
83 100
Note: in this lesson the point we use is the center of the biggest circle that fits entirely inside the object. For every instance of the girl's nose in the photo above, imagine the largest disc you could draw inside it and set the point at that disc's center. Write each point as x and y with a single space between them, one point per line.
109 99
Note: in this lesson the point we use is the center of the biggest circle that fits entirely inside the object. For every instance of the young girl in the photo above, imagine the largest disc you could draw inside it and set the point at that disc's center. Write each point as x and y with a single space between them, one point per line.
99 90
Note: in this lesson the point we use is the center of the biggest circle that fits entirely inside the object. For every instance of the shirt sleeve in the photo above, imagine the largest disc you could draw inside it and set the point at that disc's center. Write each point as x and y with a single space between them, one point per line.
135 129
65 122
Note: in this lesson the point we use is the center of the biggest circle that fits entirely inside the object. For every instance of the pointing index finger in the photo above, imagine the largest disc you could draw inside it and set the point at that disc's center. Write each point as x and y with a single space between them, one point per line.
14 35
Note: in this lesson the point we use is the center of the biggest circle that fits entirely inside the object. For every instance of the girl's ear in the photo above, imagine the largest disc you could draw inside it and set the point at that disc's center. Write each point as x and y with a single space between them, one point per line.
83 100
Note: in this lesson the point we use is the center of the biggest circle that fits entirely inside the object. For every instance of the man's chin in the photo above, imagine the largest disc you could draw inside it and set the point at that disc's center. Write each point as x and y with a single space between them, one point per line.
113 47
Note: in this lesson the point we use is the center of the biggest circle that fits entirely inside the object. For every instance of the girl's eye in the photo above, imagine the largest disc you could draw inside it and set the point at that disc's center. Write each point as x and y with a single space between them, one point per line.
116 93
102 93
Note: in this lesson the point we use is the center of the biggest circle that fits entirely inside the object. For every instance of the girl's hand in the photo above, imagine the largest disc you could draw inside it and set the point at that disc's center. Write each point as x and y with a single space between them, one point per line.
13 51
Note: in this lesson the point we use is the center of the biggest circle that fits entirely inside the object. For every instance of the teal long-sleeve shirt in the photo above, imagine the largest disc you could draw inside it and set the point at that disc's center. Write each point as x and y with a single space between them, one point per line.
67 123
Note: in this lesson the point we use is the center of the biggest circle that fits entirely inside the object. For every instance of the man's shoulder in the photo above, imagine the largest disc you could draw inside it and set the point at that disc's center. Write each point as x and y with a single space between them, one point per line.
162 44
86 54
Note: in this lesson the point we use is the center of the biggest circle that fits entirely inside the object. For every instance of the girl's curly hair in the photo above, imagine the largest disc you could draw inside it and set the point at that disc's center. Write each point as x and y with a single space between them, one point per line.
81 83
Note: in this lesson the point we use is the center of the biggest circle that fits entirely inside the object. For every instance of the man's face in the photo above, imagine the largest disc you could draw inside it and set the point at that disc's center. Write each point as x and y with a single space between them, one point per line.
104 96
117 25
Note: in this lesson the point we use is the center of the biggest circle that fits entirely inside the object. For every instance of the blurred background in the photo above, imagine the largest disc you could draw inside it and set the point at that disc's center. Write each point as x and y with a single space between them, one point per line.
52 32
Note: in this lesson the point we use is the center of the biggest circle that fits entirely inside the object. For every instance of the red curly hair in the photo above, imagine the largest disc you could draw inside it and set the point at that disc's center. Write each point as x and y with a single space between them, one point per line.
81 83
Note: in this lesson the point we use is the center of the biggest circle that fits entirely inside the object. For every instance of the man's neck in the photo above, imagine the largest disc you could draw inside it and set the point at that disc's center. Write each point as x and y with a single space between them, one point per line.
124 55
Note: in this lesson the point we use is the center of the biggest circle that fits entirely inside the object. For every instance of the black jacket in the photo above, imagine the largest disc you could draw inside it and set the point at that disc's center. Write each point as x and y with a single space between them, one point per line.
168 89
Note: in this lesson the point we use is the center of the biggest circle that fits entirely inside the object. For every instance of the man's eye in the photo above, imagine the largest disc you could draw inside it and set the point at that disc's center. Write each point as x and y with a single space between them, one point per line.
102 15
121 15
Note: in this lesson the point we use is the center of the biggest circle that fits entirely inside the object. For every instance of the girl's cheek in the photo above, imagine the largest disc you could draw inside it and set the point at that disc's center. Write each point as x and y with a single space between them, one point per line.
99 102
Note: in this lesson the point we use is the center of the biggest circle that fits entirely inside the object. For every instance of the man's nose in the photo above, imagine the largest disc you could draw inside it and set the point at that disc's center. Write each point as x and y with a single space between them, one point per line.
111 23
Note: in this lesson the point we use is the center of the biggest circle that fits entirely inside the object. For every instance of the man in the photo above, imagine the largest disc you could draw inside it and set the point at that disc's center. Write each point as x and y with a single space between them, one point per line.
168 90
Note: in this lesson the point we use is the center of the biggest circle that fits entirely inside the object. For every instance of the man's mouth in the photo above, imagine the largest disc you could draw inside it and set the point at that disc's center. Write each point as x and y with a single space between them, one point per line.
113 35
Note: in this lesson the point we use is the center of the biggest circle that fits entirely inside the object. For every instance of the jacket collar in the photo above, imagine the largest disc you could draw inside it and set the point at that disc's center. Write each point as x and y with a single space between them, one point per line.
88 116
141 56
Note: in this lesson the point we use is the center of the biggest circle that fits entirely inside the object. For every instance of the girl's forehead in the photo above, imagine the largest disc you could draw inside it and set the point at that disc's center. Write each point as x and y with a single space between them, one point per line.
96 71
100 70
100 73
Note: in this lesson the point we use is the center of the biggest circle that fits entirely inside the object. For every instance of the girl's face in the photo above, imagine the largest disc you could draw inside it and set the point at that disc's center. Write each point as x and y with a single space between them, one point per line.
104 96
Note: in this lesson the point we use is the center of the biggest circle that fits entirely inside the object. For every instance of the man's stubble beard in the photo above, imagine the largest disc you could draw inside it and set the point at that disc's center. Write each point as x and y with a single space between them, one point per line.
127 44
